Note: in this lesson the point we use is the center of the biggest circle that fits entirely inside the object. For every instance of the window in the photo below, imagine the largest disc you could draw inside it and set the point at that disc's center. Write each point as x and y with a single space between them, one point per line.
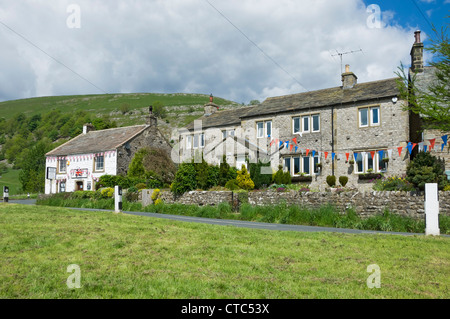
62 187
99 163
369 116
188 142
366 164
305 124
227 133
263 129
302 164
363 117
296 125
202 140
316 123
62 166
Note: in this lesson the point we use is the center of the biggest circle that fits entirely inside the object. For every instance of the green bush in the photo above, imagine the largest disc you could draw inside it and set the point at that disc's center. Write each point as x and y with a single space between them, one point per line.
331 180
226 172
278 177
255 174
185 179
140 186
447 188
107 192
243 179
343 180
287 178
393 183
426 168
232 185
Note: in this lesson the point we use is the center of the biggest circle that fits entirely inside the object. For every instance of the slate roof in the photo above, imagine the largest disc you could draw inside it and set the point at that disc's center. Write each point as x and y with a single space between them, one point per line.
222 118
98 141
326 97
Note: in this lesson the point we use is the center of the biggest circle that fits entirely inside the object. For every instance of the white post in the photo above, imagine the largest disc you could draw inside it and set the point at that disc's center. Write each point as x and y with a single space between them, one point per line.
431 209
5 194
117 199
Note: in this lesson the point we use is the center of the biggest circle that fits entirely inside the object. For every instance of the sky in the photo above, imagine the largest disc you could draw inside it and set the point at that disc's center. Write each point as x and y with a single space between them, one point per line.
240 50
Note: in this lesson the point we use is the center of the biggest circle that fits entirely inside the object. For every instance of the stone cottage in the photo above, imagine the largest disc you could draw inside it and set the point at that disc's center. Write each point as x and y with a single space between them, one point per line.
358 130
79 163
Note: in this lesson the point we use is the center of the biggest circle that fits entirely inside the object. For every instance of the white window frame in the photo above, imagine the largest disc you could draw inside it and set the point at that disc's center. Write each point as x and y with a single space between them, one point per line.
371 115
261 132
267 124
96 166
60 162
365 162
294 131
188 142
304 117
359 116
312 170
312 122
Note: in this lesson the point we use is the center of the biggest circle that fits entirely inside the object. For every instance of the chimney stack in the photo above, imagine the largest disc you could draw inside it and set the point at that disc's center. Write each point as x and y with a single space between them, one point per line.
151 119
87 128
417 54
210 107
349 79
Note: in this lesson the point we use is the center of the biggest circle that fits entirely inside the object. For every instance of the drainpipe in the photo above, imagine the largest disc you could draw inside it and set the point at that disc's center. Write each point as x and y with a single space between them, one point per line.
332 139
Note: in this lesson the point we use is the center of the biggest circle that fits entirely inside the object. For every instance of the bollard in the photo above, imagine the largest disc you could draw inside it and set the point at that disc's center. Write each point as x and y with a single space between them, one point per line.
118 199
431 209
5 194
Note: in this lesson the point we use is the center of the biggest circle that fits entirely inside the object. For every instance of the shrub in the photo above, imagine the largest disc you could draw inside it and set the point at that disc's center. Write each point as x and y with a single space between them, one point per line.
343 180
278 177
185 179
243 179
155 194
447 188
159 201
255 174
393 183
140 186
331 180
287 178
226 172
426 168
107 192
232 185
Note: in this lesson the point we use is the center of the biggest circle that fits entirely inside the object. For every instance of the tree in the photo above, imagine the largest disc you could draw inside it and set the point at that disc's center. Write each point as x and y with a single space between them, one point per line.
243 179
159 109
185 179
32 176
433 101
257 177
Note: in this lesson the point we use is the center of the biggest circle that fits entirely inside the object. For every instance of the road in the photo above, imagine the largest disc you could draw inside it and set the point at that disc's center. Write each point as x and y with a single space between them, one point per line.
239 223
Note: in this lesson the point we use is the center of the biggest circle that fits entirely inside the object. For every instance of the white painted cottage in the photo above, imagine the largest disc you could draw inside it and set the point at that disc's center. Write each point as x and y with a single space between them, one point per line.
79 163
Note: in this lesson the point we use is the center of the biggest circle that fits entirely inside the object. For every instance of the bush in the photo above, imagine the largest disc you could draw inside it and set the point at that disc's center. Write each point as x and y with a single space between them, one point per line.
232 185
447 188
107 192
393 183
343 180
255 174
185 179
226 172
155 194
287 178
278 177
331 180
426 168
243 179
140 186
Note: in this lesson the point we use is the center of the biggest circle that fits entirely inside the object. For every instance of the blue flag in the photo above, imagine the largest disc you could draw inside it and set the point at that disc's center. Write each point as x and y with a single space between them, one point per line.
444 138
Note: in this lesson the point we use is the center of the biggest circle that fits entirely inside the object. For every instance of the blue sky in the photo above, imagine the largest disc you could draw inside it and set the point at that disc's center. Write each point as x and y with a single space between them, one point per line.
416 13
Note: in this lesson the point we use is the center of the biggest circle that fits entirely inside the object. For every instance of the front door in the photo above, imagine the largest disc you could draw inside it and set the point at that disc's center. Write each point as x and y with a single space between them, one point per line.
79 186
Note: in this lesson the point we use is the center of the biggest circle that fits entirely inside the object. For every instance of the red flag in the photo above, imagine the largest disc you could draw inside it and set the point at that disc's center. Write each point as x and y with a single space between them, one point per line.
326 154
307 151
295 140
432 141
413 145
346 155
400 150
271 142
372 153
290 148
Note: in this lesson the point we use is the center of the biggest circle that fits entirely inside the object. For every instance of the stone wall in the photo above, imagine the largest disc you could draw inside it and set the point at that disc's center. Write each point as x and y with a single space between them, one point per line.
365 203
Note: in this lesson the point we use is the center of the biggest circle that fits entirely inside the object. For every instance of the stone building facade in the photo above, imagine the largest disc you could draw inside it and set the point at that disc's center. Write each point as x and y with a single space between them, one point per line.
79 163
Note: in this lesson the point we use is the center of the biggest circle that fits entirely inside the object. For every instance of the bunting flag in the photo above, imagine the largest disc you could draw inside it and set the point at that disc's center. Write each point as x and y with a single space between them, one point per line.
381 153
332 156
296 147
372 153
294 140
400 150
281 143
271 142
292 145
442 147
347 155
432 141
409 147
389 153
425 148
287 144
355 156
326 154
307 151
444 138
313 153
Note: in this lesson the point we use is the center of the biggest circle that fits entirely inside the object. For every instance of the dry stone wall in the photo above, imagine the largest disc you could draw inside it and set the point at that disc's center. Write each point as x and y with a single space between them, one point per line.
366 204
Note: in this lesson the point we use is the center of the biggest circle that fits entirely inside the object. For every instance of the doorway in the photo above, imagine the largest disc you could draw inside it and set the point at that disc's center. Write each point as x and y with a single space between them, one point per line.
79 186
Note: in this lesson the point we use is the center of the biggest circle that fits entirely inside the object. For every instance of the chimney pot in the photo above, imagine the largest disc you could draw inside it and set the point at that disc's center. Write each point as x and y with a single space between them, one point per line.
347 68
87 128
417 54
349 79
417 36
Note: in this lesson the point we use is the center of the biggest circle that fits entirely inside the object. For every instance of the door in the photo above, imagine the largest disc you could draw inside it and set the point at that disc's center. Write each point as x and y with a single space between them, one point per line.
79 186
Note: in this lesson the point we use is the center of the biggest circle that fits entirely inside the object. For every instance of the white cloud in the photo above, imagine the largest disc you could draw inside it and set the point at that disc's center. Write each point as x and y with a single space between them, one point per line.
187 46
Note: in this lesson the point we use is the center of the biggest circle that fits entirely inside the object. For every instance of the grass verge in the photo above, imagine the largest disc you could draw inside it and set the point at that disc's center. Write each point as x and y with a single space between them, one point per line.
126 256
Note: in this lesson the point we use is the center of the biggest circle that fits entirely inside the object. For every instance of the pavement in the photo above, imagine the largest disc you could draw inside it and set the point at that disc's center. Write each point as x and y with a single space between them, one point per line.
239 223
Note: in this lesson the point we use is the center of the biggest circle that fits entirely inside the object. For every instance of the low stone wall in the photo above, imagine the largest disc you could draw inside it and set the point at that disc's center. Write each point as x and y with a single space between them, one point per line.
366 203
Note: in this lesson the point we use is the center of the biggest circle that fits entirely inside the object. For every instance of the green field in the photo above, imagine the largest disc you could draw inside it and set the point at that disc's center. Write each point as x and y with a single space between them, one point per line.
102 103
126 256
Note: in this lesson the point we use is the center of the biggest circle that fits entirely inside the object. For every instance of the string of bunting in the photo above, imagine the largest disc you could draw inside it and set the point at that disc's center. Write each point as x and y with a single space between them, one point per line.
77 158
292 145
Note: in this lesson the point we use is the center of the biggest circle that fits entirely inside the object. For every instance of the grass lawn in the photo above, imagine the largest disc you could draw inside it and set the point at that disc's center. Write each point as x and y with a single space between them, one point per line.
125 256
11 179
